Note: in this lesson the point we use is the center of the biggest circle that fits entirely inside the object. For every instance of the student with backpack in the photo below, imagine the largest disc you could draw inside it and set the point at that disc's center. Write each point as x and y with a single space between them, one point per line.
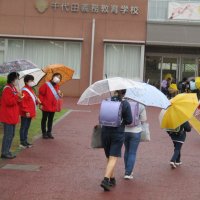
114 115
178 137
9 113
132 137
27 110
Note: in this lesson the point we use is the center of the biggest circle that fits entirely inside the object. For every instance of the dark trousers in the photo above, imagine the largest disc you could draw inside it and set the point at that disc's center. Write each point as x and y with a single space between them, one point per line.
9 133
25 124
177 152
47 122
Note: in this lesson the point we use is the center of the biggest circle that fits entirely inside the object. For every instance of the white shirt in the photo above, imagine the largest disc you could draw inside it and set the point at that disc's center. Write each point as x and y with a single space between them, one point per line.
142 118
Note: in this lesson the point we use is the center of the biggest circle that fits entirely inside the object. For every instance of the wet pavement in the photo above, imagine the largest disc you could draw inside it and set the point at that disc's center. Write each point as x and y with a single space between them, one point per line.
68 169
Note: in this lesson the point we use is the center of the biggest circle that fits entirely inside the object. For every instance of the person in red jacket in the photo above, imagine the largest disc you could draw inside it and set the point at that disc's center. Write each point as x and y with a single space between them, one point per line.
49 95
27 110
9 113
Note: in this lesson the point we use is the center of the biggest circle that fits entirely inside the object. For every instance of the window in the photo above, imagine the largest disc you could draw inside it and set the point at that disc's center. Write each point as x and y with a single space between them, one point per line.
122 60
158 9
45 52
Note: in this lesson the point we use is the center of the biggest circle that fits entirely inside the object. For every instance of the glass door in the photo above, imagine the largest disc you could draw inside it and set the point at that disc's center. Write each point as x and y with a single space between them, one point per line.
189 67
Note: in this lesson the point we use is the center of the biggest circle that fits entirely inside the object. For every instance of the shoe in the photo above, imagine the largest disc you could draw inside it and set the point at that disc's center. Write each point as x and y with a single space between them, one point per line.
23 145
29 145
49 135
8 156
112 182
178 163
172 164
105 185
44 136
128 177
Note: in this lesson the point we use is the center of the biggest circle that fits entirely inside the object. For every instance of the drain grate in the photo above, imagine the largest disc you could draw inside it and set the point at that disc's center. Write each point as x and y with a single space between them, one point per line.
20 167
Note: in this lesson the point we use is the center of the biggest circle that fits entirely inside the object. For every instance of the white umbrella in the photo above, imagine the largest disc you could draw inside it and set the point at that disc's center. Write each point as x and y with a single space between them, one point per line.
102 89
36 73
148 95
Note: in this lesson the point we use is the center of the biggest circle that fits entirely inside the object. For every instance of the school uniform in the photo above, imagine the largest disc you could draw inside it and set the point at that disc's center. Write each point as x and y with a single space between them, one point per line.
9 116
49 102
27 105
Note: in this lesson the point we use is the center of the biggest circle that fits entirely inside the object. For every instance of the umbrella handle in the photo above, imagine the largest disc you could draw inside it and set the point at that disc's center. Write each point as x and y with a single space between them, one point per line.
108 88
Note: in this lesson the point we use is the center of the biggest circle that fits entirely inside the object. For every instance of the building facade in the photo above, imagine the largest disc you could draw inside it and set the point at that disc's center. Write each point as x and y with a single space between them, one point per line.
173 42
92 37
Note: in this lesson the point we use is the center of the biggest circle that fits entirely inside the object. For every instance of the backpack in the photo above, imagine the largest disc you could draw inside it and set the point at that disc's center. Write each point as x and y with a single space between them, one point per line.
135 113
174 131
110 113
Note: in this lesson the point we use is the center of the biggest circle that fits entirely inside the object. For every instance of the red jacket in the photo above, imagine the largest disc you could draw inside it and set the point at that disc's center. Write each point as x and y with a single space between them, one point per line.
27 104
9 110
49 102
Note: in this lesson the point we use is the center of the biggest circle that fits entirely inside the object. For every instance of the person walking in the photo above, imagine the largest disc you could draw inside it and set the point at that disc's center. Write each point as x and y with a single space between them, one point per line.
112 139
9 113
131 143
49 95
27 110
178 137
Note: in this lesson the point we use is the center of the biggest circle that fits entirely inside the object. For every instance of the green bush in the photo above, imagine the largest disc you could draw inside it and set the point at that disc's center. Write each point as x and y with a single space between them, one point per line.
3 81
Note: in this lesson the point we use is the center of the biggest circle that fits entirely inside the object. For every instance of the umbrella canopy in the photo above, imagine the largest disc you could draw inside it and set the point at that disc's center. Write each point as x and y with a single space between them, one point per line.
65 71
148 95
181 110
102 89
197 82
16 66
37 73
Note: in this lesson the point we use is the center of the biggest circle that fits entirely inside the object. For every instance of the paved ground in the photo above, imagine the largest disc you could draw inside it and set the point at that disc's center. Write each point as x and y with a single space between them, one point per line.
71 170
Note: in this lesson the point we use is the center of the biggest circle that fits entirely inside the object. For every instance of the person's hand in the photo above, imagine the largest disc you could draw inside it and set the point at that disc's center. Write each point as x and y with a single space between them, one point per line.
40 106
20 95
38 100
28 115
60 93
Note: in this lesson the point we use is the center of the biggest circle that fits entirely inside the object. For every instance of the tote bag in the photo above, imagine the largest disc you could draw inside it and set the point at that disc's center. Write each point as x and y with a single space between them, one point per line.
145 135
96 141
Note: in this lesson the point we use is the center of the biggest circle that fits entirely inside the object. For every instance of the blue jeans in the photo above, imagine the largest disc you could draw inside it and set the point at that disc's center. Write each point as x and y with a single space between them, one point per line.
9 133
131 143
177 152
25 124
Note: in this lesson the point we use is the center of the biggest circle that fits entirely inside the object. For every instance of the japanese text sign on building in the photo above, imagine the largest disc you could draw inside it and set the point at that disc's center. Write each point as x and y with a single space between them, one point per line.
75 7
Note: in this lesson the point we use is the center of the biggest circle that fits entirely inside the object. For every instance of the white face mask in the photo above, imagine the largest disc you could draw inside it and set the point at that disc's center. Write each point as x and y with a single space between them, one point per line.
16 82
31 84
56 79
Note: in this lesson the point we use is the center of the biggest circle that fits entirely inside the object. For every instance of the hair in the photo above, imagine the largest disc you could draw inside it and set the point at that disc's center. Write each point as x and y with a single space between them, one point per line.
121 92
12 76
28 78
56 74
184 79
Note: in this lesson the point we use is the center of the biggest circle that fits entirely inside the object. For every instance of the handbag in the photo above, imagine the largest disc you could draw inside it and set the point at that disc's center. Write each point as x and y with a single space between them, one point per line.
145 135
96 137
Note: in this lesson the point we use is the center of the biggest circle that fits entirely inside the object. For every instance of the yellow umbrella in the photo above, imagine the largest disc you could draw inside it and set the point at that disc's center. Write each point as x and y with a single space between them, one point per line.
195 124
65 71
181 110
197 82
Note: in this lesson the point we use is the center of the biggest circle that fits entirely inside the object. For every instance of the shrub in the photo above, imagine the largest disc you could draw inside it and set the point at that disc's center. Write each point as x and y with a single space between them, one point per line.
3 81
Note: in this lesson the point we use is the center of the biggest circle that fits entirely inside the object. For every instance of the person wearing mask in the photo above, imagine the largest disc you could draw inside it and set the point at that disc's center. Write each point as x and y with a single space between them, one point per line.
113 139
27 109
131 143
9 113
49 95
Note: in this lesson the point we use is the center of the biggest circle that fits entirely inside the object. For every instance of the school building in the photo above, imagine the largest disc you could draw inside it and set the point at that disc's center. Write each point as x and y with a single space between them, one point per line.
128 38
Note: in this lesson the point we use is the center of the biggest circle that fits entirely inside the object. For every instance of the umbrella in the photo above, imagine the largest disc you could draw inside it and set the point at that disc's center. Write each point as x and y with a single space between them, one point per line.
181 110
148 95
37 73
102 89
197 82
16 66
195 124
65 71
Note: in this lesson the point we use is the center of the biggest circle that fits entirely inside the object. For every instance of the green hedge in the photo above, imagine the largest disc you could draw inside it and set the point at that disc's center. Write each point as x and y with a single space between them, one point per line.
3 81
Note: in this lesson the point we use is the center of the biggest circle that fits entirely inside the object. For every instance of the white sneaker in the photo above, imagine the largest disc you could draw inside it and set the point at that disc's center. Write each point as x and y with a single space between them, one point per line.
172 164
128 177
178 163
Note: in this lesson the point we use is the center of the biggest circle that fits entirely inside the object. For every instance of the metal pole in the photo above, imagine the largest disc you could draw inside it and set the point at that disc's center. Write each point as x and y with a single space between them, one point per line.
92 50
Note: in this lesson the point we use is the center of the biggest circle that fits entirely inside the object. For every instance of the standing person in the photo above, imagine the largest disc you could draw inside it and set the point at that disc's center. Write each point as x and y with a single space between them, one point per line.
27 110
9 113
178 137
131 143
112 139
165 86
49 95
183 85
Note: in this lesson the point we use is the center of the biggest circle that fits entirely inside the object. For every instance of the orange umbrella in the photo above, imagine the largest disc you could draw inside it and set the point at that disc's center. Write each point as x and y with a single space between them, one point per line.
65 71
